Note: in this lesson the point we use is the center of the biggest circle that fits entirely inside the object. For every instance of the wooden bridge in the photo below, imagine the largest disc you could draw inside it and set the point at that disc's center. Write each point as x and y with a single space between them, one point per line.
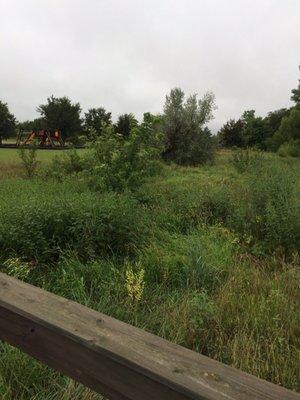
113 358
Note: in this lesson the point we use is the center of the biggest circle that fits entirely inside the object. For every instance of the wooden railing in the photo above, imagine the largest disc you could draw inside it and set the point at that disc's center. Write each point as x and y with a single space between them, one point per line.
114 358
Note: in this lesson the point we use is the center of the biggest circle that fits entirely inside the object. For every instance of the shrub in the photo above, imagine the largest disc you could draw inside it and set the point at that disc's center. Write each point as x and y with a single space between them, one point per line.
290 149
29 160
42 228
289 129
69 163
118 164
114 163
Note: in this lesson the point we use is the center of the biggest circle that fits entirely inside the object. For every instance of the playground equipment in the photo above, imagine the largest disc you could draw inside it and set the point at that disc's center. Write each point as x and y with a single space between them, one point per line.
43 138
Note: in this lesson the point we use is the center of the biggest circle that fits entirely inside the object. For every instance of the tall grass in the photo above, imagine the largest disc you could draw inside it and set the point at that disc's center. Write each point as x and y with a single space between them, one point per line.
214 250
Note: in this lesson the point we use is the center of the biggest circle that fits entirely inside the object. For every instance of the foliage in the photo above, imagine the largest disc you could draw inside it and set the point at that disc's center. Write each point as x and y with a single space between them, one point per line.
94 121
272 124
29 160
7 122
213 251
187 143
296 94
117 164
246 160
34 125
253 131
43 227
289 129
290 149
125 124
266 210
60 113
231 133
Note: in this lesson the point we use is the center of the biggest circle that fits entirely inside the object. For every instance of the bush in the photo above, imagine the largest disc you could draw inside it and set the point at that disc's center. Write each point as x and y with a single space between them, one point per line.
42 228
118 164
114 163
289 129
29 160
69 163
290 149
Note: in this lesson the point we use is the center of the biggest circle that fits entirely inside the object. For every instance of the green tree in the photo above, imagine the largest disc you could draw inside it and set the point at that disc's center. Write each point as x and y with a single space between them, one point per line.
253 131
230 134
173 121
95 120
296 94
274 118
183 124
125 124
272 124
7 122
287 132
60 113
289 129
36 124
156 123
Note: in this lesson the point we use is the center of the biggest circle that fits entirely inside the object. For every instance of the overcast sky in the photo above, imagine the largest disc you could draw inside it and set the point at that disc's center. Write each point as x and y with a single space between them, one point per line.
126 55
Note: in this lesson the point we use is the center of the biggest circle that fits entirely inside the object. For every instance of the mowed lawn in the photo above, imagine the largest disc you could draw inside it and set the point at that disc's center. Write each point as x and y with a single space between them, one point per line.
11 164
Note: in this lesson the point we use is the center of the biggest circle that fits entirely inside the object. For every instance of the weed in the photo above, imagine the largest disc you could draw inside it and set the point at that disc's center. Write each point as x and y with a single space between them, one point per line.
29 160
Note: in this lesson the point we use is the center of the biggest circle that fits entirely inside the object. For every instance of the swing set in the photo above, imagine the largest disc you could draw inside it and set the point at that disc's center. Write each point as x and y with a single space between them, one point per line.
42 137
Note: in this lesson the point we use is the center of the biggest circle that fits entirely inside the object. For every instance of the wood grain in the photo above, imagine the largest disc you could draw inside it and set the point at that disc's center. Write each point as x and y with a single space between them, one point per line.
114 358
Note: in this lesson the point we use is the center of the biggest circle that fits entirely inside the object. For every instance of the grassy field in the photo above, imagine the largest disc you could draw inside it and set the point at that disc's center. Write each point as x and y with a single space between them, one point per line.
214 249
11 164
10 156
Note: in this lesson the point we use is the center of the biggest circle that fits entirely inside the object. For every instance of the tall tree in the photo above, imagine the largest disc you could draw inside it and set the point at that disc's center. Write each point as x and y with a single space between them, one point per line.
36 124
183 123
289 130
231 133
173 121
274 118
95 120
125 123
61 113
254 130
7 122
272 124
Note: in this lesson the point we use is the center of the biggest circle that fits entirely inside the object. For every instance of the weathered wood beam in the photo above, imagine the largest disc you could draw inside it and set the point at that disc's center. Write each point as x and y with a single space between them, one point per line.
114 358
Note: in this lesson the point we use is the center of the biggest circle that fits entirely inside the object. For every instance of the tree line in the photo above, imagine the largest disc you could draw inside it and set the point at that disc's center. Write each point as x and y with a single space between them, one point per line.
278 131
186 138
183 124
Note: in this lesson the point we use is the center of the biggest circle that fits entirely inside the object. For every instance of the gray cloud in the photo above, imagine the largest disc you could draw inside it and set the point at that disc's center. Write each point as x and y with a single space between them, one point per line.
126 55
